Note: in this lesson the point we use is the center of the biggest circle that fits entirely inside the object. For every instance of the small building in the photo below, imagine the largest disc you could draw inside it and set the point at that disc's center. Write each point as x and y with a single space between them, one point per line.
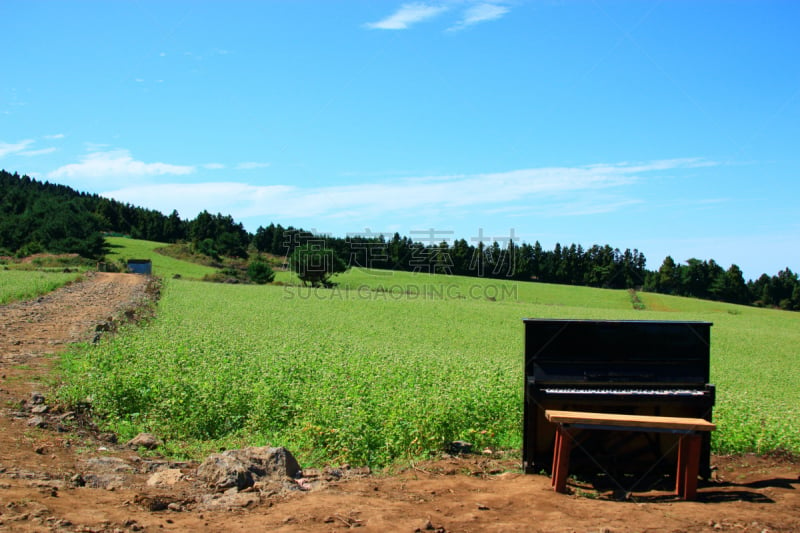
140 266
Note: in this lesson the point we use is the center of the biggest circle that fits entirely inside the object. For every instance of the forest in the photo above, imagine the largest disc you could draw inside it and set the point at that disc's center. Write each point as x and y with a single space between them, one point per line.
38 217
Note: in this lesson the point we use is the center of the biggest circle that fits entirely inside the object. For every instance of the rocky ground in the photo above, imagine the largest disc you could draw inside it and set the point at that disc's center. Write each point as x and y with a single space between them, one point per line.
58 473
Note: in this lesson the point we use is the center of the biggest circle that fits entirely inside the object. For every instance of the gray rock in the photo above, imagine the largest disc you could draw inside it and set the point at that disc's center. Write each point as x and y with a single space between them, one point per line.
108 465
36 422
225 471
104 481
244 467
144 440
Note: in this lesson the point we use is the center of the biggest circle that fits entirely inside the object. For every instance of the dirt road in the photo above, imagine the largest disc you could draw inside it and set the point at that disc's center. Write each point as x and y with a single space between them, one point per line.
57 474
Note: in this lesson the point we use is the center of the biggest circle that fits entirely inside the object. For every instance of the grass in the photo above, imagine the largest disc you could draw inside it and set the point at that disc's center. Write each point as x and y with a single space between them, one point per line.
386 284
164 266
390 367
18 285
281 368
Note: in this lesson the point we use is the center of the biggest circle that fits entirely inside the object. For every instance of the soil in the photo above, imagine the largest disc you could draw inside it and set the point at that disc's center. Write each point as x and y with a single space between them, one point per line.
58 473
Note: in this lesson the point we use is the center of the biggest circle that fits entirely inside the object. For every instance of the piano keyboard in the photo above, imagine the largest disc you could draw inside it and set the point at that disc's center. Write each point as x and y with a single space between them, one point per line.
632 392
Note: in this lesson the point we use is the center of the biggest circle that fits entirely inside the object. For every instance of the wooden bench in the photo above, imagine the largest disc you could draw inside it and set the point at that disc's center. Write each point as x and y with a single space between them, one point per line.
689 430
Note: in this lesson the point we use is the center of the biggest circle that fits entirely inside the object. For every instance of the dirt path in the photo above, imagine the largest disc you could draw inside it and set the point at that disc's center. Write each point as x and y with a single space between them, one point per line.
58 475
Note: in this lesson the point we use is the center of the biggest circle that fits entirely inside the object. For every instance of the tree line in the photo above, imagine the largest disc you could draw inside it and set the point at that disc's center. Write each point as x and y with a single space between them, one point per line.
597 266
38 216
708 280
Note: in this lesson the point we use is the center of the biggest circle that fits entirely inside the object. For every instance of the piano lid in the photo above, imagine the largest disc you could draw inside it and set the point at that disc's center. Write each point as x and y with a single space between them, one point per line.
617 351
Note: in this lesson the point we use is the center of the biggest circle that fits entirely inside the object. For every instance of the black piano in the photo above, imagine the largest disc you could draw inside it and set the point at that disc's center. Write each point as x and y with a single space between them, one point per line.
658 368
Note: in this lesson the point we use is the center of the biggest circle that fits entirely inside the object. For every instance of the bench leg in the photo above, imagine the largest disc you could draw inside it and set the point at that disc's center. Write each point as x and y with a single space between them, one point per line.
688 466
563 445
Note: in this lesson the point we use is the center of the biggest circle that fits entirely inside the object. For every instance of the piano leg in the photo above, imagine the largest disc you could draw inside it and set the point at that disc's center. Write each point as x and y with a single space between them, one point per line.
561 450
688 466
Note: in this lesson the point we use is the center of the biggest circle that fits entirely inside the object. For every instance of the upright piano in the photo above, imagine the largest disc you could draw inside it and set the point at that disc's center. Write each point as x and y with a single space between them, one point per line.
656 368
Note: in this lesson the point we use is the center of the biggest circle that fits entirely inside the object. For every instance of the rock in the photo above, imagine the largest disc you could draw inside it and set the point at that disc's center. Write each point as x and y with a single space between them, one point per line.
224 502
165 478
36 422
225 471
244 467
144 440
305 484
312 472
37 398
152 504
39 409
108 465
104 481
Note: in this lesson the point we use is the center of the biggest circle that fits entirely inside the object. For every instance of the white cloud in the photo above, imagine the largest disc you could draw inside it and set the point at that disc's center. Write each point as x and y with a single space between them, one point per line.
482 12
250 165
566 191
116 164
14 148
407 15
41 151
213 166
21 148
56 136
659 164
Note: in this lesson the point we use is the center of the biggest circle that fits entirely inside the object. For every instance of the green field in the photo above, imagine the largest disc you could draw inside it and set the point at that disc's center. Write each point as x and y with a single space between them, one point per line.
26 284
163 266
389 367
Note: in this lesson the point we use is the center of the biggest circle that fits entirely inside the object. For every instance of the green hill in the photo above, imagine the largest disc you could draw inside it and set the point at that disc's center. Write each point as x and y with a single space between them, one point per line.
163 266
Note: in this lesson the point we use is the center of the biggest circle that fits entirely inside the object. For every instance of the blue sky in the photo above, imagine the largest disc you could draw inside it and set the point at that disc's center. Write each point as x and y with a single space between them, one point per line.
670 127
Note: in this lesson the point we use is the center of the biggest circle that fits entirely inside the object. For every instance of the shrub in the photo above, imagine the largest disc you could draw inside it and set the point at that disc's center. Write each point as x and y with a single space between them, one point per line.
315 264
260 272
